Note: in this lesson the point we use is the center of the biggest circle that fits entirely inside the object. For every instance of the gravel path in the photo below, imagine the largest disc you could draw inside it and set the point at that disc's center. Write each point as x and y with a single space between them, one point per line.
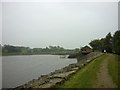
104 80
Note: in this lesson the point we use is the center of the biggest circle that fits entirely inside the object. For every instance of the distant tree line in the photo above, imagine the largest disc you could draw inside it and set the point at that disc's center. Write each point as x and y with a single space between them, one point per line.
9 49
0 49
110 44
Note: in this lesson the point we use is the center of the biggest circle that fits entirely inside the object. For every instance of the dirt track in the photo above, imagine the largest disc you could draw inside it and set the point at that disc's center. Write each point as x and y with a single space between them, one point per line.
104 80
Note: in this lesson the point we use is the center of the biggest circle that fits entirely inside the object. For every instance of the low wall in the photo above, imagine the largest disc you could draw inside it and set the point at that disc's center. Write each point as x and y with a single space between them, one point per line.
59 76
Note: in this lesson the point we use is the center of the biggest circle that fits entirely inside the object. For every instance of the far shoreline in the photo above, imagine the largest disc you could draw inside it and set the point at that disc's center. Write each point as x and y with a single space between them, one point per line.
30 54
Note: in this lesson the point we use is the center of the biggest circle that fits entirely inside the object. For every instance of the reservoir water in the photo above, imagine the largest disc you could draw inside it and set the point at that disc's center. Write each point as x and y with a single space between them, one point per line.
17 70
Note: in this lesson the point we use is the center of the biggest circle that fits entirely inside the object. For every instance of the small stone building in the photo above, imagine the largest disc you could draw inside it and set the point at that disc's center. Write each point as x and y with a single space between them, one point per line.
86 50
83 52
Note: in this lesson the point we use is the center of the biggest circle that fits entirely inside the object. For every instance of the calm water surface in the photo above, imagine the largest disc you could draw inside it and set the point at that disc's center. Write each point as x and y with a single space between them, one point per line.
18 70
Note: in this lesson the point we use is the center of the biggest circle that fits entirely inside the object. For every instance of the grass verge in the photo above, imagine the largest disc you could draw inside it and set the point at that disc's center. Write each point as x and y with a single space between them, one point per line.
85 77
113 69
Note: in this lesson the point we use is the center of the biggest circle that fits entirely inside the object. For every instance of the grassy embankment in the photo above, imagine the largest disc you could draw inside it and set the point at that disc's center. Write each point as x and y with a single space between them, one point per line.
85 77
114 69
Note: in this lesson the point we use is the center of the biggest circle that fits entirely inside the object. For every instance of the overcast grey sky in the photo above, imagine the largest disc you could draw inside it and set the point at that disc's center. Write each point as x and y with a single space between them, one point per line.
67 24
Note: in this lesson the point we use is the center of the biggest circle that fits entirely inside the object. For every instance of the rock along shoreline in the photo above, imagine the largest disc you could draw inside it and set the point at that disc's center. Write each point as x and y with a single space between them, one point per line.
60 75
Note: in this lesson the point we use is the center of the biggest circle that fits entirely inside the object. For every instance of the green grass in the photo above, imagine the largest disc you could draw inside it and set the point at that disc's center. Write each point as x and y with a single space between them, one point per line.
113 66
85 77
118 71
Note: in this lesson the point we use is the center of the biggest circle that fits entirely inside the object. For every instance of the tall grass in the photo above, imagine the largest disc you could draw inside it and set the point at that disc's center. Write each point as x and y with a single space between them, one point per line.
114 69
